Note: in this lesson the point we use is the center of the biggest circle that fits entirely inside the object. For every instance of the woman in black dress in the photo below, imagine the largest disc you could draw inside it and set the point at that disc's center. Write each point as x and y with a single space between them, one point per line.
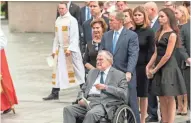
146 45
99 26
167 78
182 15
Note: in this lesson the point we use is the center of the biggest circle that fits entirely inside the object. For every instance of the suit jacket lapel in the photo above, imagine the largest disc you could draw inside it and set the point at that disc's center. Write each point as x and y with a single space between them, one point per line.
119 40
109 75
92 81
110 44
84 14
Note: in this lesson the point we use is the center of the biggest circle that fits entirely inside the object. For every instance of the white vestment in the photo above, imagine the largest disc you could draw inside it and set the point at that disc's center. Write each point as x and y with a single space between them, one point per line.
69 23
3 40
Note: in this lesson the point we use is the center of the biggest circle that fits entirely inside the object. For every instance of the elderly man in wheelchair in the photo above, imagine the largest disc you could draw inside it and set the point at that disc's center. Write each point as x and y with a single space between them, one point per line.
103 97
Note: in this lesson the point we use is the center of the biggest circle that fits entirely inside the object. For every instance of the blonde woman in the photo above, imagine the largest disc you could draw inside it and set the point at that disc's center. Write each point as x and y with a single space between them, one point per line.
182 17
146 44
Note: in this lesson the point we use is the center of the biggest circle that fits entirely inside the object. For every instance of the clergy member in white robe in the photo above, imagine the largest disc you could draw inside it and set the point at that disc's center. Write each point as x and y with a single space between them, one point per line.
68 69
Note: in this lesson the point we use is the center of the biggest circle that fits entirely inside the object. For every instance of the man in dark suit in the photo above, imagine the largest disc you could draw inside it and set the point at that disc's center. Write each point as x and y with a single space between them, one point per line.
104 85
85 13
124 46
152 11
185 54
73 9
95 8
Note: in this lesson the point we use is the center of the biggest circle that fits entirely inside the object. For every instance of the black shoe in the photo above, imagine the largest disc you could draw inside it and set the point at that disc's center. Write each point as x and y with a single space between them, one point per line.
7 111
54 94
151 119
51 97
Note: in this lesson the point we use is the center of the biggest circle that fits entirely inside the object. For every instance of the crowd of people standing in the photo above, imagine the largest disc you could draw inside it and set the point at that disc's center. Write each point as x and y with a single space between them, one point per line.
151 46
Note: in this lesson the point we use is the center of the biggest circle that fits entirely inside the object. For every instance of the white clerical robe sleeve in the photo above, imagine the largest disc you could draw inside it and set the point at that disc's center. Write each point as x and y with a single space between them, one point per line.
3 40
55 44
74 36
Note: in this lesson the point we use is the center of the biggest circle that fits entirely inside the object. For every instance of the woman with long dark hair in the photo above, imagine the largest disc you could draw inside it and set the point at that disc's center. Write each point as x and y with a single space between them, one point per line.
167 78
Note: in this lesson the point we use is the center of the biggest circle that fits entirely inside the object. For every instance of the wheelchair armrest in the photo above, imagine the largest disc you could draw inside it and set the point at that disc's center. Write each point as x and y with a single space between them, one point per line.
117 103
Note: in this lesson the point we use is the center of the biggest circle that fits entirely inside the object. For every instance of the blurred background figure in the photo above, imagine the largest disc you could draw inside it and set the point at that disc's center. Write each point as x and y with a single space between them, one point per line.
187 5
121 5
182 16
170 4
85 13
128 21
109 7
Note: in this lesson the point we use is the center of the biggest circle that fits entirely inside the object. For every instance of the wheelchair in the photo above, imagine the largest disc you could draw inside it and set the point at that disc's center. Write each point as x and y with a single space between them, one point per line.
121 113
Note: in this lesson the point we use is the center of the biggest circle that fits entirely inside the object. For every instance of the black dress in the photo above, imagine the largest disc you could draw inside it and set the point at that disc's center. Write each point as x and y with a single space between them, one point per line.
146 49
168 80
91 53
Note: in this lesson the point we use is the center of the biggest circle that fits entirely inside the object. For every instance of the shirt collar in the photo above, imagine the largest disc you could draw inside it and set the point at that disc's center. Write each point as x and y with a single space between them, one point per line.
107 70
154 19
119 31
66 15
99 16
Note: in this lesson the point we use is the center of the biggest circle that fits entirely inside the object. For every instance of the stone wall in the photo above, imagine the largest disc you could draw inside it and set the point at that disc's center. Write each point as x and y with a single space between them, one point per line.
37 16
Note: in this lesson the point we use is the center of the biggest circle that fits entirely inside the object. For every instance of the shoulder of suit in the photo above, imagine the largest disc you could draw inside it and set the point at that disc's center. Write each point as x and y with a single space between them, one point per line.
83 8
117 72
75 5
129 32
87 22
93 71
108 32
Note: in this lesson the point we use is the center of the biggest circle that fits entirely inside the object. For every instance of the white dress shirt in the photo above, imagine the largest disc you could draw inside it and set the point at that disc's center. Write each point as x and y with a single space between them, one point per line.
119 32
3 40
94 90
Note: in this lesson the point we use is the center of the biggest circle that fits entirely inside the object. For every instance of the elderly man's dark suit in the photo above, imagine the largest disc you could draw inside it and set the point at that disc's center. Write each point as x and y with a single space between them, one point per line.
116 91
185 54
87 32
125 59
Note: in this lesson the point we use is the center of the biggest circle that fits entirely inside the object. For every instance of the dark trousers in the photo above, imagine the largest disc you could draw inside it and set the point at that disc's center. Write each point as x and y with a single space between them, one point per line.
152 104
133 97
186 75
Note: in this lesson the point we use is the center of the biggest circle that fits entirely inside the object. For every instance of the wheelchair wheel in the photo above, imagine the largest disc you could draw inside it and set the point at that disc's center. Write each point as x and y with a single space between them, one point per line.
124 114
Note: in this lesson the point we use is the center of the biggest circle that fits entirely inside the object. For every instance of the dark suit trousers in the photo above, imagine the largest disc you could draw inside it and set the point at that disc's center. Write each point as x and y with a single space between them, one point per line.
186 74
133 97
152 104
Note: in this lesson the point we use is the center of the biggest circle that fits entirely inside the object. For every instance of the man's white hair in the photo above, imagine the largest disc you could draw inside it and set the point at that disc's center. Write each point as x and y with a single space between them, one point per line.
107 55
